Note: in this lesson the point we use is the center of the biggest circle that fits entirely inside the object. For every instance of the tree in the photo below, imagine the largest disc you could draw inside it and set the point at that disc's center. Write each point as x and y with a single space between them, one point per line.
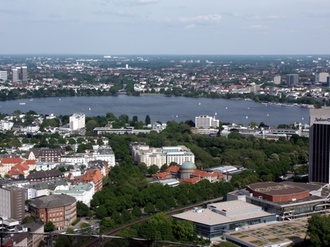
318 230
101 212
184 231
163 167
153 169
91 124
160 205
49 226
82 209
147 120
106 224
116 217
149 208
127 216
63 241
28 219
136 212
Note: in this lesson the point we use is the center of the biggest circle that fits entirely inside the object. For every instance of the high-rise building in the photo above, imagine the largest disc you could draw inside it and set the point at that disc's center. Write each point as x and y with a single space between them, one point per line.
321 77
12 203
15 74
206 122
3 75
77 121
24 74
292 79
277 79
319 145
20 74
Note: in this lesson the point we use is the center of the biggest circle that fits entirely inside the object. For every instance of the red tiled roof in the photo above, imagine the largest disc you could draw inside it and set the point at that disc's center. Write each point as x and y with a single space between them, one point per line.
191 180
173 169
17 170
162 175
11 160
92 175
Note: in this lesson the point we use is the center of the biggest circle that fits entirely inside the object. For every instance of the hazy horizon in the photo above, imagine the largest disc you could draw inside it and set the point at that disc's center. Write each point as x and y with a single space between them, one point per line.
165 27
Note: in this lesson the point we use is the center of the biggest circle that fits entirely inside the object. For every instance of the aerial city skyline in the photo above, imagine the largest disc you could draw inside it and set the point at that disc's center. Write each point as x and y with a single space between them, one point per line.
164 27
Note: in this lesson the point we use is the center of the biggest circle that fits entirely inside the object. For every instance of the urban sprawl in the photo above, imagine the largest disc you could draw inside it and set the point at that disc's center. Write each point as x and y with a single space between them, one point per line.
76 180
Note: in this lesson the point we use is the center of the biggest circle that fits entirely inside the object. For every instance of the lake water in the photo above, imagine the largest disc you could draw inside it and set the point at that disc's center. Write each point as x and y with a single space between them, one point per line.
163 109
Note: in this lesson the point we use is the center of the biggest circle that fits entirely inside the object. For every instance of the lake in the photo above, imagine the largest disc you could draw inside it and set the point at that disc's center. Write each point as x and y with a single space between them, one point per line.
163 109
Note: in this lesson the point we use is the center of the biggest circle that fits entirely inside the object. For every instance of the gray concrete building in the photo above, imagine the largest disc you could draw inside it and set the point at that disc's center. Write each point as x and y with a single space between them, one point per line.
12 203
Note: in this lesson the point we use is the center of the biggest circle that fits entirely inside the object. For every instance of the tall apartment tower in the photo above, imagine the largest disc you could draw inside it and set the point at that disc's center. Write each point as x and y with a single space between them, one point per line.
321 77
77 121
319 145
24 74
12 203
15 74
277 79
3 76
292 79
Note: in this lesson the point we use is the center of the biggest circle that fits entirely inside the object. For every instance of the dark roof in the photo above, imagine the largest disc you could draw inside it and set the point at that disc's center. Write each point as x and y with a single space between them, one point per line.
52 201
44 151
45 174
272 188
33 227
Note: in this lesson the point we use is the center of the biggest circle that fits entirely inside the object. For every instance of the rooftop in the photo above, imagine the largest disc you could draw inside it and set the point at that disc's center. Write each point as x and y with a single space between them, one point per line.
52 201
209 217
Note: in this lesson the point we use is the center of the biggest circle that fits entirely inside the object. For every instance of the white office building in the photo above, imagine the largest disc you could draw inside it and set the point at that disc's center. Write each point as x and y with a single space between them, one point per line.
15 75
321 77
3 75
277 79
205 122
82 192
160 156
77 121
102 153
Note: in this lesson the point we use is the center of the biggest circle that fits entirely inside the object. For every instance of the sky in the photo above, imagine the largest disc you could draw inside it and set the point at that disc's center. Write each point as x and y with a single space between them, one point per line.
192 27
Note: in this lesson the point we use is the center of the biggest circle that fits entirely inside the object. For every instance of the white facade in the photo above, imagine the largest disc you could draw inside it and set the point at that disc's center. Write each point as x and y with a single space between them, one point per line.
321 77
3 75
82 192
103 153
46 166
77 121
161 156
205 122
31 193
15 75
6 125
277 79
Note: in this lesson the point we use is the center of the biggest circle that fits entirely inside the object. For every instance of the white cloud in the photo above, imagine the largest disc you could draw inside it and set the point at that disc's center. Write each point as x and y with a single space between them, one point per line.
132 2
201 19
259 27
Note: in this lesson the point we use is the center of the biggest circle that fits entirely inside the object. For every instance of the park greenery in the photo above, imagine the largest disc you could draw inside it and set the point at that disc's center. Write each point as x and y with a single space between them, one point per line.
318 231
127 194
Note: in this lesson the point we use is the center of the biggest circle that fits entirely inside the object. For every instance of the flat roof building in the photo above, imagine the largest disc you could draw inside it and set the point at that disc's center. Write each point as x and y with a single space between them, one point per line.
288 200
206 122
142 153
221 217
